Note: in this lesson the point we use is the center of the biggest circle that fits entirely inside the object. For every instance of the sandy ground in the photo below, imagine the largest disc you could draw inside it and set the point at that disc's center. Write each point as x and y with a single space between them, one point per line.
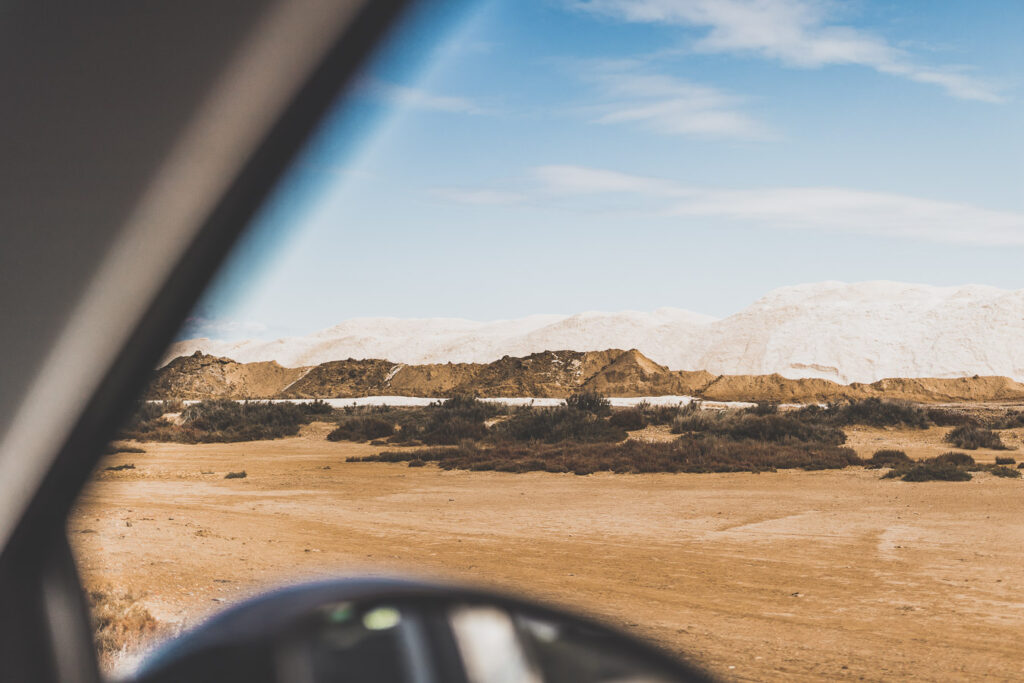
784 576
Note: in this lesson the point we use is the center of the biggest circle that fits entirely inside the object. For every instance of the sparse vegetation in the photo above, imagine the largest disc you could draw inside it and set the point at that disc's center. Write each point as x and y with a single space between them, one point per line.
236 475
223 420
758 425
972 438
119 468
1005 460
686 454
446 423
872 412
552 425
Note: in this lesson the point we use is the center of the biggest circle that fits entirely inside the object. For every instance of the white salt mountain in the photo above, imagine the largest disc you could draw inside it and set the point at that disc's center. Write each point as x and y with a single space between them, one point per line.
843 332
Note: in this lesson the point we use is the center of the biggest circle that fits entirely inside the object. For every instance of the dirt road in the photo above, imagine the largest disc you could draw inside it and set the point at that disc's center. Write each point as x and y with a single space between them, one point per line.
785 576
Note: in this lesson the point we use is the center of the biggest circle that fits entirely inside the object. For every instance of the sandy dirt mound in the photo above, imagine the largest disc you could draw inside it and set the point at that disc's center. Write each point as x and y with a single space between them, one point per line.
775 389
551 374
432 380
342 379
960 389
201 376
633 374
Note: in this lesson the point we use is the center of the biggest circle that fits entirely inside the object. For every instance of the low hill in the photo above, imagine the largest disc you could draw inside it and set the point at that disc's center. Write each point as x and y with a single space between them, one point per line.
201 376
550 374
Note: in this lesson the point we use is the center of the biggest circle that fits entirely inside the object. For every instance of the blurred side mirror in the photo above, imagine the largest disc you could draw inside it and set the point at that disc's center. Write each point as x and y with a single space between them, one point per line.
405 632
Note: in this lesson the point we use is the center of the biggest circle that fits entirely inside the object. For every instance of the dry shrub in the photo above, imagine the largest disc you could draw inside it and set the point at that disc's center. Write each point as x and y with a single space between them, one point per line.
224 420
121 623
973 438
687 454
1003 471
758 425
558 424
888 458
236 475
1005 460
445 422
1011 419
945 417
952 458
952 466
630 419
932 471
873 412
364 428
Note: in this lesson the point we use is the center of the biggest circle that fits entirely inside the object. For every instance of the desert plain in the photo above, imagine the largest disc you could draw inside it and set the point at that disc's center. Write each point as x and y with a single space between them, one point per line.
788 575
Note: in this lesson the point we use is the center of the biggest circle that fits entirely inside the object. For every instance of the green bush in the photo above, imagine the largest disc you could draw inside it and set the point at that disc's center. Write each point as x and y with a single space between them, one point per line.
973 438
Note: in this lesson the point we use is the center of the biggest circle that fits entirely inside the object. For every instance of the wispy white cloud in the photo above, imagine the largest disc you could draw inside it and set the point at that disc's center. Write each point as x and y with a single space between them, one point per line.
666 104
416 98
798 33
815 208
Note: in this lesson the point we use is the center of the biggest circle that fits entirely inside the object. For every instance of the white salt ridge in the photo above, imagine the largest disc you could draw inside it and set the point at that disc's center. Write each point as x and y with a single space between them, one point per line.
859 332
420 401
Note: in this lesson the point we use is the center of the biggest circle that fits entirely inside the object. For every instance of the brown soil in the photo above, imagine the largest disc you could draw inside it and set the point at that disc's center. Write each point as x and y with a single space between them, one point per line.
784 576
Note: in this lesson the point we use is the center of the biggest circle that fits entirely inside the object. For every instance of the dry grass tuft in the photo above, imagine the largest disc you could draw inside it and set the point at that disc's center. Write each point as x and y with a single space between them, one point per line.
121 623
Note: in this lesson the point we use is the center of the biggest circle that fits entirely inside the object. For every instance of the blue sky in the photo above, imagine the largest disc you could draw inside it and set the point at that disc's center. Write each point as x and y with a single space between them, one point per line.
509 157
